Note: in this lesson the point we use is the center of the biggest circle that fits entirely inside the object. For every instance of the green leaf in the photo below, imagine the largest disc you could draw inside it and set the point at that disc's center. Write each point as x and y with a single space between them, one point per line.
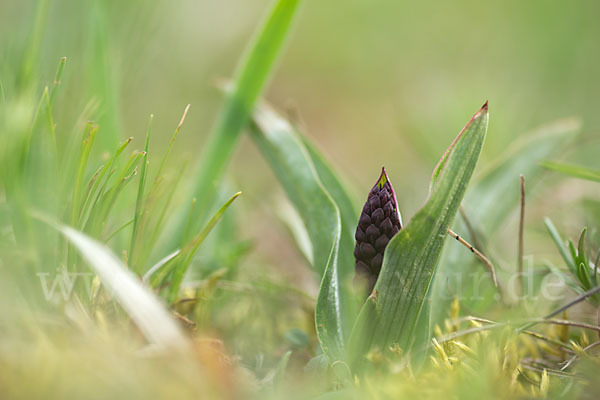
494 194
573 170
249 80
336 189
295 170
391 314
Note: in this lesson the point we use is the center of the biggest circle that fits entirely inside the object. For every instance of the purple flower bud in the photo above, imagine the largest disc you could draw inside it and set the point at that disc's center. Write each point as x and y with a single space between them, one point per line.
378 223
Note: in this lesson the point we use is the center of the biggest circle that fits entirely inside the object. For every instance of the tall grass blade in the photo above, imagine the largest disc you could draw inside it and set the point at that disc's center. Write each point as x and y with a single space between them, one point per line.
139 209
84 155
57 80
250 78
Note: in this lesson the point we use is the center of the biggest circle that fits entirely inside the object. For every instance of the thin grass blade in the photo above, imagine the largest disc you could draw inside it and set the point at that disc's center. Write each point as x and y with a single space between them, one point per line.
139 208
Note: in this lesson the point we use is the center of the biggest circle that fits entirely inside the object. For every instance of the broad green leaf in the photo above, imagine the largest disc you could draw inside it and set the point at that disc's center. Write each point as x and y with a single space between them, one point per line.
295 170
391 314
573 170
349 219
139 302
249 80
336 189
494 194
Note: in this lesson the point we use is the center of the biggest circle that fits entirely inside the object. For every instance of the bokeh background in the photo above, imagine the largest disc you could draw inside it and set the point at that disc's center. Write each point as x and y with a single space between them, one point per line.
371 82
386 82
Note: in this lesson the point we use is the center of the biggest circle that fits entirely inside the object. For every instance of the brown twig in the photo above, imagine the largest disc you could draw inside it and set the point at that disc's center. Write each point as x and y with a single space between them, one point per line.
569 323
570 304
477 253
537 335
572 359
577 300
469 331
472 232
558 343
554 372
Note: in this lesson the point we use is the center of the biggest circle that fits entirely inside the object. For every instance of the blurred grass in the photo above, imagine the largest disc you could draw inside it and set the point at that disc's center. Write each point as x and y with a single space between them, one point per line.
408 67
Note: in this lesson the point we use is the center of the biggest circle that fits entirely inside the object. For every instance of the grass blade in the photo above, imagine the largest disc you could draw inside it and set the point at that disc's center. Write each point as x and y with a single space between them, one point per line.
188 251
391 314
250 78
573 170
139 209
57 79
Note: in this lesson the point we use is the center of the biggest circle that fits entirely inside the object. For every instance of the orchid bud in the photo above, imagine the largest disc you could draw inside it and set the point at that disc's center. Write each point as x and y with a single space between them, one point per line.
379 221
